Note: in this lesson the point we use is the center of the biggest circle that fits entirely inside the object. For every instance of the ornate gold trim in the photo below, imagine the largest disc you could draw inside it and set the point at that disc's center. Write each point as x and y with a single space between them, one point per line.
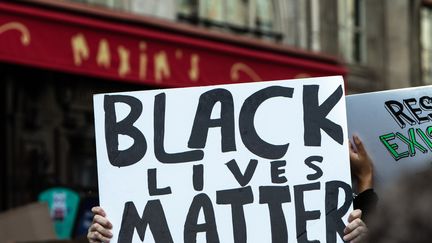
239 66
25 33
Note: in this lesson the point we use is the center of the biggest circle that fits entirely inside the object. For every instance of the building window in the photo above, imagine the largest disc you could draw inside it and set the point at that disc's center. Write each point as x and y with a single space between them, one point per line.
163 9
249 17
115 4
257 18
426 44
300 22
264 12
314 29
351 22
211 12
187 10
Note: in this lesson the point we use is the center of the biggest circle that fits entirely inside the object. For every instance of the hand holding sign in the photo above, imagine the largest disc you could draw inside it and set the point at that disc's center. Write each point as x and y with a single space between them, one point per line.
99 231
356 230
361 165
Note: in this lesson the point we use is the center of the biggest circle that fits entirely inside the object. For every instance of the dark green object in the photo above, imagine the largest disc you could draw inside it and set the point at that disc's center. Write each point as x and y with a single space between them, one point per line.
63 205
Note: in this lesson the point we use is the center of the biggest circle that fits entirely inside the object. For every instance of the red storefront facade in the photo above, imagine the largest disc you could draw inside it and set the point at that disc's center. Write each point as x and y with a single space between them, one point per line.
156 55
45 42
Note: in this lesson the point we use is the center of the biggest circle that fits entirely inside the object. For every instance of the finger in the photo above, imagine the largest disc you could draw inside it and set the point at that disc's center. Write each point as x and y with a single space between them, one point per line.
100 229
93 237
102 221
356 214
352 153
351 146
353 225
98 210
358 233
97 237
354 229
359 145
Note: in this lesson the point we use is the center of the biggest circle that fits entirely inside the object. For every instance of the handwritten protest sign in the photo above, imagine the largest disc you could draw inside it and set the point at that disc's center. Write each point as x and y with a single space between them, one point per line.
395 127
257 162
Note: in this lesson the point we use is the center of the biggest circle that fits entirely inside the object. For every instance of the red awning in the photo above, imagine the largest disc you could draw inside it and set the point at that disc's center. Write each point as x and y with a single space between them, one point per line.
93 44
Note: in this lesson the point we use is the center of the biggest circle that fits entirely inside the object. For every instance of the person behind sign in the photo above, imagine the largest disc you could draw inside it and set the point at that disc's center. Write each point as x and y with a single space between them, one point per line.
355 231
405 212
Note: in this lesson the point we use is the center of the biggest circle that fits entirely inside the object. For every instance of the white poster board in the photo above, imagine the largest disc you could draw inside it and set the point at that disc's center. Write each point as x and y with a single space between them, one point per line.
395 127
256 162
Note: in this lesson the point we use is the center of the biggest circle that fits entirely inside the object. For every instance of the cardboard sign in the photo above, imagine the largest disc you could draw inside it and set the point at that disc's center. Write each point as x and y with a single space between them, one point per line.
30 222
395 127
257 162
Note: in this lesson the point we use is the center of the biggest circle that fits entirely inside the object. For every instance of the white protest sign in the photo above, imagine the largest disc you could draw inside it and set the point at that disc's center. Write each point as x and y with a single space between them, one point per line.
395 127
255 162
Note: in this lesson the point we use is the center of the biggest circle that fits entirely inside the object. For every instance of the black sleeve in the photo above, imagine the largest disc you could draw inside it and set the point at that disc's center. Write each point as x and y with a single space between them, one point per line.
366 201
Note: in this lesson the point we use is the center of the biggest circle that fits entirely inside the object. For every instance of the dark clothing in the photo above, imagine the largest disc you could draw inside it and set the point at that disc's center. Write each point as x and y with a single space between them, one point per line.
366 201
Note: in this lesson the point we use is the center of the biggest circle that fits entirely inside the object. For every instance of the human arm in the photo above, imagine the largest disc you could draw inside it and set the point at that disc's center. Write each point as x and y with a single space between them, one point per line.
363 172
361 165
100 229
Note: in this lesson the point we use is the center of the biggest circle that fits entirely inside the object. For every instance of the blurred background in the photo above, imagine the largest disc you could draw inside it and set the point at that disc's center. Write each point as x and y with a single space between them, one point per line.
54 55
